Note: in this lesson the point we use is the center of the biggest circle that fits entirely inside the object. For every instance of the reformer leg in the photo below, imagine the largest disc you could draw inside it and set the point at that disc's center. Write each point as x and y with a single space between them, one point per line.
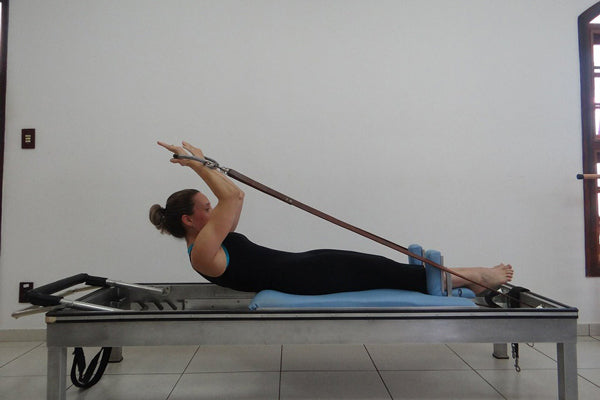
56 388
500 351
116 355
567 371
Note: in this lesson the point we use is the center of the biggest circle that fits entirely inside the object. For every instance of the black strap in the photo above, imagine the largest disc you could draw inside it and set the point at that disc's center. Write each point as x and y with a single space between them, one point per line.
86 378
514 298
489 299
515 356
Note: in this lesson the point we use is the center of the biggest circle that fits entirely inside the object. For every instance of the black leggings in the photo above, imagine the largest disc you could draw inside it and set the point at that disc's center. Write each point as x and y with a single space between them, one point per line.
254 268
332 271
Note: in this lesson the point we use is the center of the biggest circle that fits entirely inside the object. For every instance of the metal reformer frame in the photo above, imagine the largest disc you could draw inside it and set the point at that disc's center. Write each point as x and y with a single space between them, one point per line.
205 314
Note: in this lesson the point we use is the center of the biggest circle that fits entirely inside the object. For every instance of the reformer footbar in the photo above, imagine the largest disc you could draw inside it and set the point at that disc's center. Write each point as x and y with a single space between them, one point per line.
44 298
213 164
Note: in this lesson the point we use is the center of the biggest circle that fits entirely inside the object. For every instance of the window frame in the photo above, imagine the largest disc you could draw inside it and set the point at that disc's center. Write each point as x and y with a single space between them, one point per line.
590 138
3 56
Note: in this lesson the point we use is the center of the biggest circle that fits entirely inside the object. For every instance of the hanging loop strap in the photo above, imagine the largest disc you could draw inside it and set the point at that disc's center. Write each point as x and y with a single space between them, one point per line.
514 298
515 356
85 378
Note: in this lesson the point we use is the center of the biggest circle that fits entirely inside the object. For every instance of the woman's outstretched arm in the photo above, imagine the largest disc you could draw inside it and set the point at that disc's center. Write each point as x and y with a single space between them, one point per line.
207 255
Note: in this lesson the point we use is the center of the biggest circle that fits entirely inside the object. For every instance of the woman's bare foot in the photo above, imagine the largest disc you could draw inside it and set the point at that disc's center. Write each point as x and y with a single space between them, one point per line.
488 277
496 276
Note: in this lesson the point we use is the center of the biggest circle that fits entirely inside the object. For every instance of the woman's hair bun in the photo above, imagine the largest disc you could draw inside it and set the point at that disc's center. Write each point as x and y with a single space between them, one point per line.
168 219
157 217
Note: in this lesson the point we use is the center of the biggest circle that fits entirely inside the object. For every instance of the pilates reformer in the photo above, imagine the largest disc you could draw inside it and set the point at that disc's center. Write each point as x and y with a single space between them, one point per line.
118 315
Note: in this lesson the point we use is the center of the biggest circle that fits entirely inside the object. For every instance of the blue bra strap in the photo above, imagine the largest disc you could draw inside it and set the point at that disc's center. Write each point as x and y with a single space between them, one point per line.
226 255
223 247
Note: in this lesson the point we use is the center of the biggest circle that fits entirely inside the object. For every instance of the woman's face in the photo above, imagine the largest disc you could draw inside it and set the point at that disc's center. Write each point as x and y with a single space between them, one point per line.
202 210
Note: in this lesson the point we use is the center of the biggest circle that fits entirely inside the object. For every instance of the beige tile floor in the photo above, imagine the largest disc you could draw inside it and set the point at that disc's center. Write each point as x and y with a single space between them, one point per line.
403 371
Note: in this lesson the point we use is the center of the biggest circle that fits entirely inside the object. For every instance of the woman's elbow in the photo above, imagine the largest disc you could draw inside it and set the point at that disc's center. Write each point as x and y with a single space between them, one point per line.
237 195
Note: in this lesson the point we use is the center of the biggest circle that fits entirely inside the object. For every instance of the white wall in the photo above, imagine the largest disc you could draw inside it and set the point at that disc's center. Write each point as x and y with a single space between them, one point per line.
452 124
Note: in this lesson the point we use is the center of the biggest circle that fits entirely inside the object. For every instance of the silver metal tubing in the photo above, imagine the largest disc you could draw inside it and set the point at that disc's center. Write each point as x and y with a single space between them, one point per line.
56 378
206 161
163 291
87 306
566 354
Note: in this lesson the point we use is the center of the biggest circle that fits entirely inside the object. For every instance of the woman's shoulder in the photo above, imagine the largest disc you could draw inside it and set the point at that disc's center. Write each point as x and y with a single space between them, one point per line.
238 241
235 236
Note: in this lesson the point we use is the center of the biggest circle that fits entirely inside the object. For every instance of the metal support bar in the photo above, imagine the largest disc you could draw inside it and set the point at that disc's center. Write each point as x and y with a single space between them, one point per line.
566 354
163 291
56 383
87 306
116 355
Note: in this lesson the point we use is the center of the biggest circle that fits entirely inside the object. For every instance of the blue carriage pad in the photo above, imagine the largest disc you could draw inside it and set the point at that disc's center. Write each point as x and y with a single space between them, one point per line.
377 298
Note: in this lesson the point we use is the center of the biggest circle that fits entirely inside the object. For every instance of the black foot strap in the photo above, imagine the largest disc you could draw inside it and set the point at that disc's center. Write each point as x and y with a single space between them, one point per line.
85 378
514 297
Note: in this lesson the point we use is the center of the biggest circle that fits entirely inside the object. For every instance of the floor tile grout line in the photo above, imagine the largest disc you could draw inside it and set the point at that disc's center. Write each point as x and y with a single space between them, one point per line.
541 352
293 371
280 372
379 373
248 371
21 355
512 369
183 372
578 368
586 379
477 372
143 374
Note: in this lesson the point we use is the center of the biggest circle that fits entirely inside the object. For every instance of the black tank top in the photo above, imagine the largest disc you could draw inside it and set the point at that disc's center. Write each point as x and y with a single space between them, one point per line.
253 268
250 267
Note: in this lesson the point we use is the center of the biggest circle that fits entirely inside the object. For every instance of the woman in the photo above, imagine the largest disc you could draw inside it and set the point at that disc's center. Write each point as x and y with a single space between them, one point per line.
229 259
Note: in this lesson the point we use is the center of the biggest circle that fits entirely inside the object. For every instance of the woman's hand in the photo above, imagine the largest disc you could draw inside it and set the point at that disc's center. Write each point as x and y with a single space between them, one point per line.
187 149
